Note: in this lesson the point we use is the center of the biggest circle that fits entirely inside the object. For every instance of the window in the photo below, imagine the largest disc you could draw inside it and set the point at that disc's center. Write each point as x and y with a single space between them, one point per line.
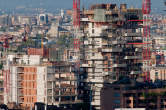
117 101
92 25
115 107
93 31
116 88
156 74
116 94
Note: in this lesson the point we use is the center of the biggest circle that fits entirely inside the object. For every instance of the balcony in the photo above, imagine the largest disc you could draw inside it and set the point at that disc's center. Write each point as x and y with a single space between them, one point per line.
133 57
96 74
50 78
96 80
20 94
112 35
20 70
20 85
89 42
84 19
70 102
112 50
135 72
105 43
133 34
20 78
96 102
86 42
107 73
49 86
99 57
138 49
96 57
21 100
118 42
87 65
119 65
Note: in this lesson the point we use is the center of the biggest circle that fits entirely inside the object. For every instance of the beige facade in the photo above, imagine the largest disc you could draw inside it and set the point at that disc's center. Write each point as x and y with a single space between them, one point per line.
158 73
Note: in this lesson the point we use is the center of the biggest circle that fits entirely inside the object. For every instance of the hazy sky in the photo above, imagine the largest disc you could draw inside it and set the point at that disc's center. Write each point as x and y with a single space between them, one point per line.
53 4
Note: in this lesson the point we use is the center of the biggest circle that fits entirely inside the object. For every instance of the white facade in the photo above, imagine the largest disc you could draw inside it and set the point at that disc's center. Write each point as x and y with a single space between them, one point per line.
41 84
13 84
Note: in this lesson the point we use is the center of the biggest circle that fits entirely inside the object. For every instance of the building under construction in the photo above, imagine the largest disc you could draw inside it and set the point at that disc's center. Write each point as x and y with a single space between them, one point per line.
112 45
31 80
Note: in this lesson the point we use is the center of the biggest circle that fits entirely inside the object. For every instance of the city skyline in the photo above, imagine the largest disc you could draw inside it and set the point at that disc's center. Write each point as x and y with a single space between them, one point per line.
157 5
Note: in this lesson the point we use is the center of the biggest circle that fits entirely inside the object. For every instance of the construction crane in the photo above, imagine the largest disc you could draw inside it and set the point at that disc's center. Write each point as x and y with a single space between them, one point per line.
146 54
76 23
146 10
76 13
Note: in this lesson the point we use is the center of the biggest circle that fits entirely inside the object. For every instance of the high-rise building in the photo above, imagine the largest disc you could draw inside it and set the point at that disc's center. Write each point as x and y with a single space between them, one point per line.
112 45
43 19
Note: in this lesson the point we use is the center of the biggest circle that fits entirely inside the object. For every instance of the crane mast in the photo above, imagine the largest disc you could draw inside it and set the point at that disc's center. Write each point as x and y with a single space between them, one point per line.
146 10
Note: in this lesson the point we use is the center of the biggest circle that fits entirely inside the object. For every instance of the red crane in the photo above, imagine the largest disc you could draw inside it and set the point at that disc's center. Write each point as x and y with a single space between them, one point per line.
76 13
146 53
76 21
146 9
146 6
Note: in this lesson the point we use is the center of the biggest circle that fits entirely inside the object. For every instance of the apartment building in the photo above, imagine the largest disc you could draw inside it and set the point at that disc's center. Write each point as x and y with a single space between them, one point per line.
112 45
127 93
31 80
63 85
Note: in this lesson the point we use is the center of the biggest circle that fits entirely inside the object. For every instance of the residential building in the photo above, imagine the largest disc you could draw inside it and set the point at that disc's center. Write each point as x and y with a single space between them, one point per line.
127 93
112 45
31 79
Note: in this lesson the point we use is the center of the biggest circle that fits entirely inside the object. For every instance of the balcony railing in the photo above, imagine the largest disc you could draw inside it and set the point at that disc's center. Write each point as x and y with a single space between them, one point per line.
133 57
133 34
119 65
112 50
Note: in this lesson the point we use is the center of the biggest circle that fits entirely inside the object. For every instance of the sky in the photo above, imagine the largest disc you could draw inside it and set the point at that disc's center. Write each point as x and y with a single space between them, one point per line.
157 5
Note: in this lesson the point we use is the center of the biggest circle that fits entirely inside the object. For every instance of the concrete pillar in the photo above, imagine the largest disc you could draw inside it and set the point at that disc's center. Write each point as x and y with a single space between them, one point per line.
45 107
35 107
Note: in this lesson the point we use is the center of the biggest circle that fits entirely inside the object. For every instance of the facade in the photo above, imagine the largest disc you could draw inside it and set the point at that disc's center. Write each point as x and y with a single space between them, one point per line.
158 73
43 19
38 51
51 83
112 46
131 94
62 85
